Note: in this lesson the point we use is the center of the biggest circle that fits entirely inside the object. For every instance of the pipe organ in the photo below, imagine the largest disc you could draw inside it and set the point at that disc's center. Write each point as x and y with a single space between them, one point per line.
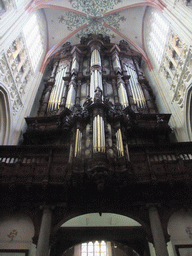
98 102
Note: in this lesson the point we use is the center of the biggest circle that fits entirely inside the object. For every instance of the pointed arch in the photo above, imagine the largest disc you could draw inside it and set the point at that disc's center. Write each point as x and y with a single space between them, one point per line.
158 6
5 120
188 113
46 58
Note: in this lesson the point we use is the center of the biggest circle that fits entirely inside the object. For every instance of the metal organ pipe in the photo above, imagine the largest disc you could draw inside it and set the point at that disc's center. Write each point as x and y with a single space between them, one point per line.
56 95
95 58
98 134
70 102
120 150
78 143
96 76
123 95
71 95
116 63
75 64
96 80
138 96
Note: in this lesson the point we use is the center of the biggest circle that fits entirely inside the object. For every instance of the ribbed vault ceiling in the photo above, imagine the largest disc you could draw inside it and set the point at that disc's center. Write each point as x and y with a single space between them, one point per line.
69 20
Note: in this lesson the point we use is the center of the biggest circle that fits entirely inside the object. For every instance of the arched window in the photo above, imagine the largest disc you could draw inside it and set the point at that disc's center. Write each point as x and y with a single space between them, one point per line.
96 248
33 40
4 118
158 32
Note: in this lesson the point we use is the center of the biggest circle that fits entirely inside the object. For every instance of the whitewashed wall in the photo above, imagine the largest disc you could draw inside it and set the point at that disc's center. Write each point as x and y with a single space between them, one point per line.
180 19
16 232
11 26
178 225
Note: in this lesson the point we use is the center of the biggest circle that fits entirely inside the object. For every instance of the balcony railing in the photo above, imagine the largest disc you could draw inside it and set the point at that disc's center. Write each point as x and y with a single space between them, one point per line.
50 164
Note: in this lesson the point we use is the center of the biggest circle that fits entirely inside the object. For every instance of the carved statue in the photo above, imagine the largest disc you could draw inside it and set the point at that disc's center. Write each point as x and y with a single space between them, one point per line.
98 94
88 102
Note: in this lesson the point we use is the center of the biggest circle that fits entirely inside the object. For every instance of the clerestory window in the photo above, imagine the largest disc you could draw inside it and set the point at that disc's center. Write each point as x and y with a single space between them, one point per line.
158 35
33 40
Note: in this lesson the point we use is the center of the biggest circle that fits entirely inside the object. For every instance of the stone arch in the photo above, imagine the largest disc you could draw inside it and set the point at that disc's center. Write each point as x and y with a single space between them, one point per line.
188 112
133 229
141 218
5 120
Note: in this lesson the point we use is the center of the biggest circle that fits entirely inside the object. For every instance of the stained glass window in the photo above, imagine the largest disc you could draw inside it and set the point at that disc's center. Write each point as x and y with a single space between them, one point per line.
97 248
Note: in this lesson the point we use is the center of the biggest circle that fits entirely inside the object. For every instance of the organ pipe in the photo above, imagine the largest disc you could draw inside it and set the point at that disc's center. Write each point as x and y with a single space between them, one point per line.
98 134
96 76
57 91
78 143
122 95
95 58
70 102
137 92
120 150
96 81
75 64
116 63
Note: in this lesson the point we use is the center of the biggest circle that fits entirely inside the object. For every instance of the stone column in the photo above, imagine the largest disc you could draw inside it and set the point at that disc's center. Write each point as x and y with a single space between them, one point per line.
157 232
45 232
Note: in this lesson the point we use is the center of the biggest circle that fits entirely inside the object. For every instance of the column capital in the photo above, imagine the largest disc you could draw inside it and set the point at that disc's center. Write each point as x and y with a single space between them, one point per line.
47 207
153 205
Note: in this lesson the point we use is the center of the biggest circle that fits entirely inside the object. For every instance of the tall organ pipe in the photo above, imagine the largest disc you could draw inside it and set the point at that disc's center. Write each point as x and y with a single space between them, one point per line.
95 58
116 63
71 94
58 88
78 143
98 134
138 95
70 102
96 76
120 150
122 95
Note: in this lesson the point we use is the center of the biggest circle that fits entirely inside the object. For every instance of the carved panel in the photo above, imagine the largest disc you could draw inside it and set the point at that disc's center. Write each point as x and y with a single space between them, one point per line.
175 67
7 79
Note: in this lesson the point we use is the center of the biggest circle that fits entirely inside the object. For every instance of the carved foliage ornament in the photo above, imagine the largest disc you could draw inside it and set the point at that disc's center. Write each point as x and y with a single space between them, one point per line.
7 79
95 7
95 23
176 67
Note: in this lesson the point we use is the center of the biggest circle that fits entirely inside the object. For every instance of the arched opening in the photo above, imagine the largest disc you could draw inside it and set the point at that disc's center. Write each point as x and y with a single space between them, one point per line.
100 248
189 113
4 117
156 33
120 235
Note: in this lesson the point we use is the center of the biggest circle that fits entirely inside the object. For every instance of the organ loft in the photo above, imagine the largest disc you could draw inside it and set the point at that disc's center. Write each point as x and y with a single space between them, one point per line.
97 144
